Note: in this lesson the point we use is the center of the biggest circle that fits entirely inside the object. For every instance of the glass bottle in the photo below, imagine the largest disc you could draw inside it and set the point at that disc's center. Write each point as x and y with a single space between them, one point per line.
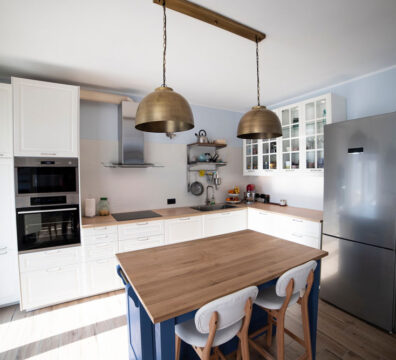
104 207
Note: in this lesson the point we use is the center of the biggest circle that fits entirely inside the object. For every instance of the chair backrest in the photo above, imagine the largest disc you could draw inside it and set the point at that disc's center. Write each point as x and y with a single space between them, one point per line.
230 308
299 274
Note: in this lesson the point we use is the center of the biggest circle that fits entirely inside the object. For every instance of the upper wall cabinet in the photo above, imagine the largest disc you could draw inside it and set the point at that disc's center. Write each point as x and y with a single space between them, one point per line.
46 118
300 149
5 121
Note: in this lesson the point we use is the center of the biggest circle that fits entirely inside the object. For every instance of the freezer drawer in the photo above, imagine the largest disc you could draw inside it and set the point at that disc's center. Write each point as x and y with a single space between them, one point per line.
359 279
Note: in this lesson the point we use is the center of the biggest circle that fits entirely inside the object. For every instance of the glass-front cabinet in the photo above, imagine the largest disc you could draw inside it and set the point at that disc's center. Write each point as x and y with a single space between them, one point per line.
301 147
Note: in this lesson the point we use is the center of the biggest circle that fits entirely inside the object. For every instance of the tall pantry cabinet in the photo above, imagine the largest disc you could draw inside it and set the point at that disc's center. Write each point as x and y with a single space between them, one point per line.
9 279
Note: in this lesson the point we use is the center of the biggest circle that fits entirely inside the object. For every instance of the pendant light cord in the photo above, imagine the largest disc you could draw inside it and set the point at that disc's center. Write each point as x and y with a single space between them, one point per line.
258 73
164 48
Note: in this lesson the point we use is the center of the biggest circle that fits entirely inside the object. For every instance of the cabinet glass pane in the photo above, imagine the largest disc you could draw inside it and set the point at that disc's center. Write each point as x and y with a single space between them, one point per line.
295 130
255 149
255 162
310 111
273 164
285 117
310 142
310 159
273 147
295 160
319 142
295 145
321 108
319 126
286 161
286 145
248 162
248 142
266 162
320 159
254 141
265 148
294 115
310 128
248 150
286 132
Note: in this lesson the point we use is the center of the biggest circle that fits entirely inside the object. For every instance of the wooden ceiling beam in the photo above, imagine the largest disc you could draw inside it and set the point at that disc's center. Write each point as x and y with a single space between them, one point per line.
213 18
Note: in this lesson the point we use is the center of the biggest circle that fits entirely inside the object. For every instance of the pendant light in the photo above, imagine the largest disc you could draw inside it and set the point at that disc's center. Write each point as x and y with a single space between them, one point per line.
163 110
260 122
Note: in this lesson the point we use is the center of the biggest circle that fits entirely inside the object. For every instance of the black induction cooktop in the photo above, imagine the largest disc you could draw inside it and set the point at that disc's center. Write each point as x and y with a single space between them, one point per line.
136 215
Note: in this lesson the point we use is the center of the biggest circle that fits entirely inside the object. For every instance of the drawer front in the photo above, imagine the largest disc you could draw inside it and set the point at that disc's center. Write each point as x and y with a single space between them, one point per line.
141 229
262 221
183 229
99 251
99 238
42 260
139 243
54 285
100 230
223 223
101 276
306 240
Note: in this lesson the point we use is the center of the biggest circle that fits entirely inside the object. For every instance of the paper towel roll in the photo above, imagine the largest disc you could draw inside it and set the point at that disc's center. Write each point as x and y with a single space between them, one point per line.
90 207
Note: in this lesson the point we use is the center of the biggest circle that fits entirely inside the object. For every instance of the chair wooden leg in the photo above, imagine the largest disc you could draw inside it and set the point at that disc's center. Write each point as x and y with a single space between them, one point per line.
239 351
269 331
280 337
177 347
245 347
307 335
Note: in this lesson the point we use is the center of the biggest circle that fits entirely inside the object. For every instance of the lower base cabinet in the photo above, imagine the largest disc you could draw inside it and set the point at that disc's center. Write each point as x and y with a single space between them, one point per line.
183 229
9 281
225 222
50 286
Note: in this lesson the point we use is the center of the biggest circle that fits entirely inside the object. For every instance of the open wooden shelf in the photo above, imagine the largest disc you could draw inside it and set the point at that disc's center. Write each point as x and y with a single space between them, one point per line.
212 145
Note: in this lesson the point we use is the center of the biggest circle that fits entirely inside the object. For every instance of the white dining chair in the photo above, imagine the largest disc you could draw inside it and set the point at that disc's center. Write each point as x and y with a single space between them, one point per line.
294 286
218 322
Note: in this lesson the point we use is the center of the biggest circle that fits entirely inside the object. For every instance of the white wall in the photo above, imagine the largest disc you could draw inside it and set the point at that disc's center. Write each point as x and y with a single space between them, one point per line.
138 189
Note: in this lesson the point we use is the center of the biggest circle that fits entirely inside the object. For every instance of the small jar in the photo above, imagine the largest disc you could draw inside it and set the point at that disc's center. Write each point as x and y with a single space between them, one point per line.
104 207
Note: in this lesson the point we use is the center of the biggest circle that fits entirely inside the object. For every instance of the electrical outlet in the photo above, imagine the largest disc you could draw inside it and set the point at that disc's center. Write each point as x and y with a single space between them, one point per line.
171 201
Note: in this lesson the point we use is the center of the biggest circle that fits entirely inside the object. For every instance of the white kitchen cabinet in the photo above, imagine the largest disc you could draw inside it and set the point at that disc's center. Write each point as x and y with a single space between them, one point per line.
6 132
224 222
139 243
140 229
263 221
300 149
9 278
46 118
101 276
183 229
51 285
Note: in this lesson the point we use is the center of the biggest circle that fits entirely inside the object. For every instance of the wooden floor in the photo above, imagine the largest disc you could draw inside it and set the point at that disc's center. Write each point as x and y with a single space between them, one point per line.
95 328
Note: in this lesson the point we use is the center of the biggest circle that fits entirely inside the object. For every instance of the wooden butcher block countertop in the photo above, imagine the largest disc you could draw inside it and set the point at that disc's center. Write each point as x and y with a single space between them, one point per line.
177 212
175 279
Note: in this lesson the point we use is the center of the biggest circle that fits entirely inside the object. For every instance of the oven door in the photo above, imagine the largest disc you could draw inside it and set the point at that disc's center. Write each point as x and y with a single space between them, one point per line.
46 227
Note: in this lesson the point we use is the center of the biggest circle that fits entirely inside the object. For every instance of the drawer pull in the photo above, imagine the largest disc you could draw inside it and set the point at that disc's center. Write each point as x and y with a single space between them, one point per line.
102 244
145 223
297 220
103 261
52 252
48 153
101 228
54 269
227 213
185 219
297 235
143 239
263 213
102 236
4 252
3 248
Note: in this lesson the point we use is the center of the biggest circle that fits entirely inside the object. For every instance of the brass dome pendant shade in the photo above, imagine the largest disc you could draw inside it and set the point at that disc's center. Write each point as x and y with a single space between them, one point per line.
260 122
163 110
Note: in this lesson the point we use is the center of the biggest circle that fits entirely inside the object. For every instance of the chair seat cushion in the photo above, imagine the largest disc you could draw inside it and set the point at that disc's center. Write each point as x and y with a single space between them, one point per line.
188 332
268 299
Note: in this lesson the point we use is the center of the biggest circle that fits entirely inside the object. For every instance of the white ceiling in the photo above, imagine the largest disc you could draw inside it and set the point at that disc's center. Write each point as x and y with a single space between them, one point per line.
117 44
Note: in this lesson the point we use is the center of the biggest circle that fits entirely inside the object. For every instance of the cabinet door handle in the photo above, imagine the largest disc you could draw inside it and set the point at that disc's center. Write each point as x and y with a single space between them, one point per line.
1 154
102 244
4 252
143 238
54 269
102 236
48 153
263 213
3 248
226 213
100 229
145 223
297 235
185 219
297 220
52 252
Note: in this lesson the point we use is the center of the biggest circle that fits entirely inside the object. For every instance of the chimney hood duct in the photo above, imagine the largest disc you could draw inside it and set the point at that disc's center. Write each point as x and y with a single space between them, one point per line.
130 140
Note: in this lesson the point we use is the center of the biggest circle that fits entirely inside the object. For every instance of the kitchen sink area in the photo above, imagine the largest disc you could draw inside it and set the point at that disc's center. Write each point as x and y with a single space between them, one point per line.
213 207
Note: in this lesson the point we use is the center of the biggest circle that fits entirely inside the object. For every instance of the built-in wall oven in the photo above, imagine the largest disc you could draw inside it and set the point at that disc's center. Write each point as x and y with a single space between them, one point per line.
47 202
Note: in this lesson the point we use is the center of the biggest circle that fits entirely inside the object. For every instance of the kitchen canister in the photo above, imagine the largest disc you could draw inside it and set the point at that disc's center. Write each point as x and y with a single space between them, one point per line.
90 207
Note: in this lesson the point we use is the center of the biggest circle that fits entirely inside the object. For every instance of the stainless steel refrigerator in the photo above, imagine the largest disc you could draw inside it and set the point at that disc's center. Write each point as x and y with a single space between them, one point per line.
359 223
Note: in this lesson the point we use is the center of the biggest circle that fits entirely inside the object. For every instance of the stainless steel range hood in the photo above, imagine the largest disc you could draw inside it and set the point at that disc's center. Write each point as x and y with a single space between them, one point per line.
131 140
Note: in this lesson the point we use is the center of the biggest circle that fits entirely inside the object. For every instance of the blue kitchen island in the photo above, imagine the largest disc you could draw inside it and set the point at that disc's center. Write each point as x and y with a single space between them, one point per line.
166 285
